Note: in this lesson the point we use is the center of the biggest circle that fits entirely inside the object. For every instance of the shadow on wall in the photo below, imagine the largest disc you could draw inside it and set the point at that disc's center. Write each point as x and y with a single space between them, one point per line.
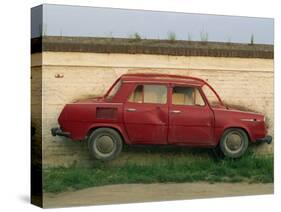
243 108
240 107
85 97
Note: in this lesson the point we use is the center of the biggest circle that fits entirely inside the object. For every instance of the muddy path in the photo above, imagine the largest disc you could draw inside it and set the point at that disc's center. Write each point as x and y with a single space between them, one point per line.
132 193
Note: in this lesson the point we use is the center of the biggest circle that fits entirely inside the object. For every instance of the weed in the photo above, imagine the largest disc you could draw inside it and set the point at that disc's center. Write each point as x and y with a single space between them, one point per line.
169 166
136 36
204 36
172 36
252 39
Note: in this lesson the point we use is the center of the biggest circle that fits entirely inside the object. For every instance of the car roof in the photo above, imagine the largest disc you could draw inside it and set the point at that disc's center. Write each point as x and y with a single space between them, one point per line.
162 78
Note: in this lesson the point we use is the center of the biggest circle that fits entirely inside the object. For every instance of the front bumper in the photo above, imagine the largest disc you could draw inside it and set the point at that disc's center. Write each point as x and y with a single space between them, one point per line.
266 139
57 131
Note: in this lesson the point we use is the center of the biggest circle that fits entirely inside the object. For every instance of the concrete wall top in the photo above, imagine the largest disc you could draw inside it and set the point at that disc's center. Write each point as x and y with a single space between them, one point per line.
145 46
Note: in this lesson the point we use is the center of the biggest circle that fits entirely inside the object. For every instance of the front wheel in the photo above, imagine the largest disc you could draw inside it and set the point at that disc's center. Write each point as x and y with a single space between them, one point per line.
105 144
234 143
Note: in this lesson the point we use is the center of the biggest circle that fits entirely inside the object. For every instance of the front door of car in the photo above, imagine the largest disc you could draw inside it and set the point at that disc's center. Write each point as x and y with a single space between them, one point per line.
146 114
191 121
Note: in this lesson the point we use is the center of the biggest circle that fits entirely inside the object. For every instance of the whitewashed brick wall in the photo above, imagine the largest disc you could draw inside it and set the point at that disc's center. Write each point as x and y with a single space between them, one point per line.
239 81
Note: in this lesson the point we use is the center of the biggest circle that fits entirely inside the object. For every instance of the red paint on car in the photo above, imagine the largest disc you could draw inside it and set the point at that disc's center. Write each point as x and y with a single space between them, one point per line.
160 109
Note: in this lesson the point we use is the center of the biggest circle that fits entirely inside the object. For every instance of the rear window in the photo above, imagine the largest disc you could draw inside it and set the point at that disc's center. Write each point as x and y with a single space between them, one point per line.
187 96
114 90
149 94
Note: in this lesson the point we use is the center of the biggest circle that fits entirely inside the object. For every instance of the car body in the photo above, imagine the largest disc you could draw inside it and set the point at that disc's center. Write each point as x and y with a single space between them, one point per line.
162 110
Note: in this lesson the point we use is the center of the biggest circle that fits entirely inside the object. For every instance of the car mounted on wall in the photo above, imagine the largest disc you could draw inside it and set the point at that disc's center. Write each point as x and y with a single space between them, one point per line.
160 109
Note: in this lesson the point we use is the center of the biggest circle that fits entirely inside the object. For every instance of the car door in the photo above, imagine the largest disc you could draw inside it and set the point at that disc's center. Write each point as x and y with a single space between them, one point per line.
191 121
146 114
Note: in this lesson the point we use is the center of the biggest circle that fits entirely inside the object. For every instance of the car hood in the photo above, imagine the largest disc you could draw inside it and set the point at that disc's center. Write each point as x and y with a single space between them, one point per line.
242 114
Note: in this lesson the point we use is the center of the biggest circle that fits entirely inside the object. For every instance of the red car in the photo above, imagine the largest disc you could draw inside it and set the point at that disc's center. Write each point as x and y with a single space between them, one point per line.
162 110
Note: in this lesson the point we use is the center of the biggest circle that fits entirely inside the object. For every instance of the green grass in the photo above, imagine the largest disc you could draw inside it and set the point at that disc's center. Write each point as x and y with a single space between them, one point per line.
161 165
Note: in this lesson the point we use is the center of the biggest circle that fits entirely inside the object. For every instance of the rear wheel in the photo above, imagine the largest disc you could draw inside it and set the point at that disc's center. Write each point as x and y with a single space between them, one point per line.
234 143
105 144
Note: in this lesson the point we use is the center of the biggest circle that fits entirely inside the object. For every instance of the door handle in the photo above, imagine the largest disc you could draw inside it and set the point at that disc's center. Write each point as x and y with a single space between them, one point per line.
175 111
131 109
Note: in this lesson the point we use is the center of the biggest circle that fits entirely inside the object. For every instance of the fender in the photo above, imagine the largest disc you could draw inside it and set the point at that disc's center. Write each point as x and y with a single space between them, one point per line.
219 131
119 127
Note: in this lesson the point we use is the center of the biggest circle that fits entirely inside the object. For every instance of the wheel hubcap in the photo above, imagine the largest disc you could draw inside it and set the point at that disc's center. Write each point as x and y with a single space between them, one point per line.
105 144
234 142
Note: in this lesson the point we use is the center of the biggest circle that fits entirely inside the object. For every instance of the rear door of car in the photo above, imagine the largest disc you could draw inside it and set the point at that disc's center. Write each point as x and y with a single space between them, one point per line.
146 114
191 121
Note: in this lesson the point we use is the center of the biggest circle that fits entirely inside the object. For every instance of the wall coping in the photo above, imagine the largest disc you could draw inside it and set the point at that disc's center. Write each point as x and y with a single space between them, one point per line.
150 46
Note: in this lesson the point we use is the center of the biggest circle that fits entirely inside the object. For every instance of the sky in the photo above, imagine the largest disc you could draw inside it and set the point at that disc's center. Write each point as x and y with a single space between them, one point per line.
61 20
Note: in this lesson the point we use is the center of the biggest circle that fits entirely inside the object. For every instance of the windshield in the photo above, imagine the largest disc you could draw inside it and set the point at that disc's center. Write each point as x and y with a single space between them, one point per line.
113 90
211 96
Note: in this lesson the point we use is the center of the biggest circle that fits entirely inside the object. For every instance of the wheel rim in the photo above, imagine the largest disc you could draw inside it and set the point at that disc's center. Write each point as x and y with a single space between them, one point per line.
105 145
234 142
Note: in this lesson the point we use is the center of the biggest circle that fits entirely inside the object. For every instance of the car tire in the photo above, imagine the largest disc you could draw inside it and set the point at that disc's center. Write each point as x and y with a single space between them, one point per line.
234 142
105 144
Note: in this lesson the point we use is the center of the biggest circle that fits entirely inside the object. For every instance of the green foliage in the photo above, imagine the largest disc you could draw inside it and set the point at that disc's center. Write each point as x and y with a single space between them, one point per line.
172 36
229 40
204 36
136 36
252 39
189 38
168 166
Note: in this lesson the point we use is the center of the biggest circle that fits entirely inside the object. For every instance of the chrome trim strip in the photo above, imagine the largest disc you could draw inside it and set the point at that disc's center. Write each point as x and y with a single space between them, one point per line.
251 120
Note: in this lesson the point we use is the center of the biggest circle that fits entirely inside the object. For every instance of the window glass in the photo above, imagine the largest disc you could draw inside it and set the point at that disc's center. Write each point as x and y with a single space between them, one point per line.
155 94
211 96
114 90
136 96
149 94
187 96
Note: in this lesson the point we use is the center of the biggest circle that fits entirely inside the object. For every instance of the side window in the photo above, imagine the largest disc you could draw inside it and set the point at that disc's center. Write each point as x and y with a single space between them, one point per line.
211 96
149 94
187 96
114 90
136 96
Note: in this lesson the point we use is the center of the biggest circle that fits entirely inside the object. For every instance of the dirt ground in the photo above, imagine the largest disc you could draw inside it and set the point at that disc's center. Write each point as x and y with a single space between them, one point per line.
133 193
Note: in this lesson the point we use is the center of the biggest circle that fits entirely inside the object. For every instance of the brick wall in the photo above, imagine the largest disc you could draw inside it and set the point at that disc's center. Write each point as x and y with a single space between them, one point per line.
245 82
